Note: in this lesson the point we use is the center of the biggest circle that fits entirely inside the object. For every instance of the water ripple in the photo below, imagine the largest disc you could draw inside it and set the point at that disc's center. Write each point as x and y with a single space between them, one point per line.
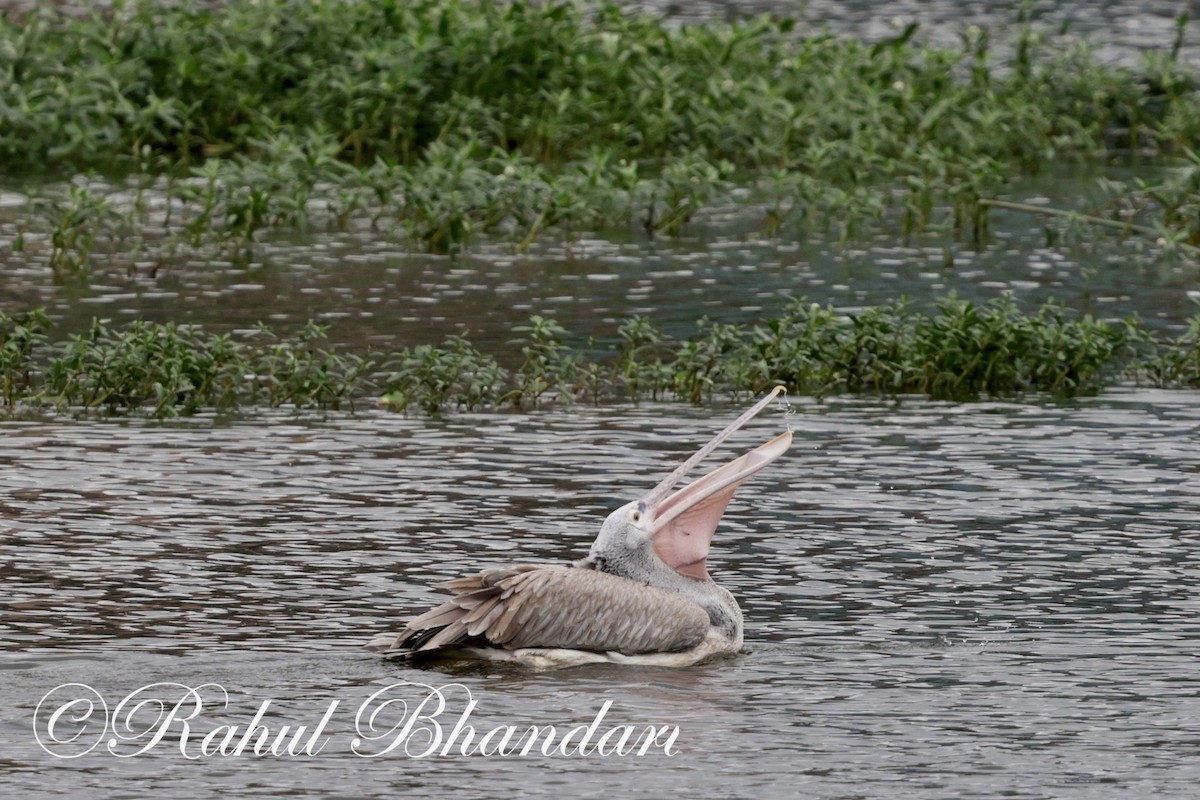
941 600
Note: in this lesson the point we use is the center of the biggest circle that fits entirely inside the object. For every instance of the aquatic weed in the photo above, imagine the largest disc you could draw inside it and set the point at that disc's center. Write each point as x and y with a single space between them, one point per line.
958 350
453 374
500 118
1175 364
74 224
548 366
968 349
166 367
639 367
20 336
307 371
712 360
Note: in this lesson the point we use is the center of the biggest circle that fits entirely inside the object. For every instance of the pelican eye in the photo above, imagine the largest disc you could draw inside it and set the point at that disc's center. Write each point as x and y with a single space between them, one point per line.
636 516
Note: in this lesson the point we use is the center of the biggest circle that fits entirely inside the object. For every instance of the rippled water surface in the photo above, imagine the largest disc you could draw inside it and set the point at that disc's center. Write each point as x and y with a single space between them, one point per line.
942 601
372 293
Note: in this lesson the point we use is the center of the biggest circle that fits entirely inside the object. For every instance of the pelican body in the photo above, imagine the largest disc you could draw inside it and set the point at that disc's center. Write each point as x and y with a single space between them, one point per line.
642 595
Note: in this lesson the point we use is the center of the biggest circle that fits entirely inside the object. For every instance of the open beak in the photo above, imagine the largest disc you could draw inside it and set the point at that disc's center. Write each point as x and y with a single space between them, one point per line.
682 524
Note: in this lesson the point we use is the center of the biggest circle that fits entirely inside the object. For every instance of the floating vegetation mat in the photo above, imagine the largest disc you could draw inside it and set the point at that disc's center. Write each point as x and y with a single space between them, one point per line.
959 351
436 123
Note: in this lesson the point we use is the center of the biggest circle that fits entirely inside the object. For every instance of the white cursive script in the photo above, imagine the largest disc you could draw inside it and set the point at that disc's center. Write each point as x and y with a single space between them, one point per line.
408 719
393 719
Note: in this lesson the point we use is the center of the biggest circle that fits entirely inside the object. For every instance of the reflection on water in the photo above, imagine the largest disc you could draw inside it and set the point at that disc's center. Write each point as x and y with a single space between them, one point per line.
941 600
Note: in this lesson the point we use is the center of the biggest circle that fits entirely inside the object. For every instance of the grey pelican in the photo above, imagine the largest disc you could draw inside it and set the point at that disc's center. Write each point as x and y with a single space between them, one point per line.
642 595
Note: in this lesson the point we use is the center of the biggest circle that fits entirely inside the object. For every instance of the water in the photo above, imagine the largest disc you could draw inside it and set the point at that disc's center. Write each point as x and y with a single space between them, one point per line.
1121 31
372 293
942 600
984 600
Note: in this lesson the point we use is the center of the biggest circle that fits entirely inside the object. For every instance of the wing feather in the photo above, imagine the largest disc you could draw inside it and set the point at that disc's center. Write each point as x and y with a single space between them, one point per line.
560 607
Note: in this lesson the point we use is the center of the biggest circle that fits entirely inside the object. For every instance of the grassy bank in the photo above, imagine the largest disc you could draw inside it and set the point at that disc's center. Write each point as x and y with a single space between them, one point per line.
958 351
440 122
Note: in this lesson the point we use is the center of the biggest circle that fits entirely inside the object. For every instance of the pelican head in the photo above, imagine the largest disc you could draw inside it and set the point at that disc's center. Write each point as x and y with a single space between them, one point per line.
663 539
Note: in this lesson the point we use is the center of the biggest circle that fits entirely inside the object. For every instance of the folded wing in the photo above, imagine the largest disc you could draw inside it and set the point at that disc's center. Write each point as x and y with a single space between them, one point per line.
554 607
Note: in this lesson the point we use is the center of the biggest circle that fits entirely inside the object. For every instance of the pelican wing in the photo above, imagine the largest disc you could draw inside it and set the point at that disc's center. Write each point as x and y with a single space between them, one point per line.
551 606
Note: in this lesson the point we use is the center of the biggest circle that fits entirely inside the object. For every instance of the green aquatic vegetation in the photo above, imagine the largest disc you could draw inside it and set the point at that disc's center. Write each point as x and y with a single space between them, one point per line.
20 336
164 368
227 201
456 191
1177 198
709 362
453 375
453 120
802 347
548 366
306 371
817 350
968 349
957 351
1072 354
1164 210
639 367
74 224
877 353
169 369
682 188
1177 363
961 352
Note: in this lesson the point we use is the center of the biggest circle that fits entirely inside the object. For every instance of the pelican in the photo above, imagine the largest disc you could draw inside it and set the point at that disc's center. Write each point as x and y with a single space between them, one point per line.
642 595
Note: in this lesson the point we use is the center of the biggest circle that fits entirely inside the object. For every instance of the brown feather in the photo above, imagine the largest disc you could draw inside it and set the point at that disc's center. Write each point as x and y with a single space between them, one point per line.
437 617
556 607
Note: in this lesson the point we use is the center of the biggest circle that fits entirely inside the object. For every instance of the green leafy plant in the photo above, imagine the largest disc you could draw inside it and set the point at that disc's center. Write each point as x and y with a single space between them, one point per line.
448 121
454 374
